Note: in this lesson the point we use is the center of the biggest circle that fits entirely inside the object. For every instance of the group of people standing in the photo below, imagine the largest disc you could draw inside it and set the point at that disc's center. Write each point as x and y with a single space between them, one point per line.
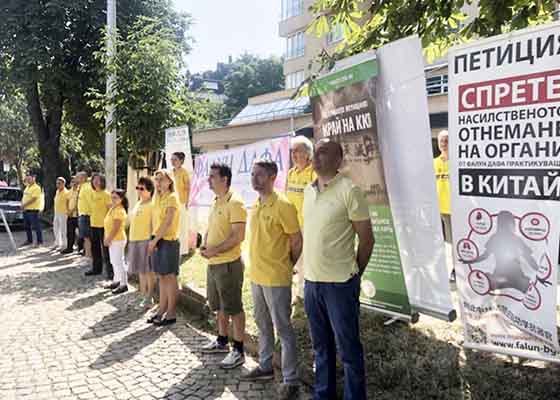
151 249
285 230
314 227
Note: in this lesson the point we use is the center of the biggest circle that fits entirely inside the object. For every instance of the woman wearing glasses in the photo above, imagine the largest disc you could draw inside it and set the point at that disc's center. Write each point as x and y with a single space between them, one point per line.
139 261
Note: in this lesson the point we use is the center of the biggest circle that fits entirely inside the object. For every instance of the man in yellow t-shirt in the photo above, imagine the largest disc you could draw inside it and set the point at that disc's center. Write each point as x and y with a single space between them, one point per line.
335 212
84 199
299 176
72 221
441 167
60 213
31 205
222 248
182 187
275 245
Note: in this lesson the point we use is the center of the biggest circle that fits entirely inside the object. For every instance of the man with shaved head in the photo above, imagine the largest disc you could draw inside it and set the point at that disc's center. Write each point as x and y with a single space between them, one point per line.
335 212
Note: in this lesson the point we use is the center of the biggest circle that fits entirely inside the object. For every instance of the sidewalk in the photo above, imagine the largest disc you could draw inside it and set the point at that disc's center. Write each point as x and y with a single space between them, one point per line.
64 337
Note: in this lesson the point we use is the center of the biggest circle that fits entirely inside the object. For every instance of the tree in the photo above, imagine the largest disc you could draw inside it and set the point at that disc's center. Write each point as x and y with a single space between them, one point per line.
46 50
251 76
149 94
439 24
17 141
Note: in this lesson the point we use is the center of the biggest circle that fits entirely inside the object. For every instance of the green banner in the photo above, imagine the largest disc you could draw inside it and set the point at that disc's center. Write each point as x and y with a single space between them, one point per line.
343 106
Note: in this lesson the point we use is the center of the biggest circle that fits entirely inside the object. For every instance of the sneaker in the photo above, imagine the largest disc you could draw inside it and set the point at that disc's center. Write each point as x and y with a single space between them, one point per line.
214 347
233 359
258 374
453 277
288 392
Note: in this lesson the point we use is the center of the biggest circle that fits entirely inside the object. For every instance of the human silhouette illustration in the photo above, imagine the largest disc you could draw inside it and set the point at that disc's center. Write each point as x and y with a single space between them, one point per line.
508 250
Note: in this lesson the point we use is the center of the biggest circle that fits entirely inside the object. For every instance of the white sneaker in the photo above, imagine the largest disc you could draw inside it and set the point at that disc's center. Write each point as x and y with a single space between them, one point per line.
233 359
214 347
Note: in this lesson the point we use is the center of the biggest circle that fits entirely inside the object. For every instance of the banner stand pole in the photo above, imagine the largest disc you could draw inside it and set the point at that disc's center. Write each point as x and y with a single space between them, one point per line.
7 227
449 317
413 318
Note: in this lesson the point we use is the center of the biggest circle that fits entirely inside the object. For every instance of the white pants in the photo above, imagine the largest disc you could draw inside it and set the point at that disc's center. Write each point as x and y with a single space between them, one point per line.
183 229
59 228
116 255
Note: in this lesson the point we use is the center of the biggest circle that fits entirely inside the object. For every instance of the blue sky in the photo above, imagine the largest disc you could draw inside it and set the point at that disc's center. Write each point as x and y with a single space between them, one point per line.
231 27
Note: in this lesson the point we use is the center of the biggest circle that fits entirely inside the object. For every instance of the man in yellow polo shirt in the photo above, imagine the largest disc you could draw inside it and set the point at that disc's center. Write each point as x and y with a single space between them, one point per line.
182 187
222 248
84 205
275 244
60 213
335 212
441 168
31 205
299 176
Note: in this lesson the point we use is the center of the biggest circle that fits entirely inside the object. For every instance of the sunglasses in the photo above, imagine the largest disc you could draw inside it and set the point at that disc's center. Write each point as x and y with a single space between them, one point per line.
140 188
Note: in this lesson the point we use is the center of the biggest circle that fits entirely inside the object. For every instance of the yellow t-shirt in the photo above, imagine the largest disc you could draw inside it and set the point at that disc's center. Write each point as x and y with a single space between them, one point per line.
100 201
73 202
115 214
270 225
141 222
329 253
32 191
182 183
297 181
61 201
84 198
441 168
161 204
225 212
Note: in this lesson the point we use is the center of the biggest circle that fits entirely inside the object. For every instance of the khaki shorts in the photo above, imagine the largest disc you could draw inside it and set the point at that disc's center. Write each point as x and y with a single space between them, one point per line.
224 286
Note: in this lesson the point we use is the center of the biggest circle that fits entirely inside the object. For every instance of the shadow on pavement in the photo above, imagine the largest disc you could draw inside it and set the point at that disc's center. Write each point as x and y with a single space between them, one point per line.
125 313
127 347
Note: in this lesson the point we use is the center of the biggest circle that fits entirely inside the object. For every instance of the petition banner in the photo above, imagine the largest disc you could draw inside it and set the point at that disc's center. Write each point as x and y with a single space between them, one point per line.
240 159
343 104
504 137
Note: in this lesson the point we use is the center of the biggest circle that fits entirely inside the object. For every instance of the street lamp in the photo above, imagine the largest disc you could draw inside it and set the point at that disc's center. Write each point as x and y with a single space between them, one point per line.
111 134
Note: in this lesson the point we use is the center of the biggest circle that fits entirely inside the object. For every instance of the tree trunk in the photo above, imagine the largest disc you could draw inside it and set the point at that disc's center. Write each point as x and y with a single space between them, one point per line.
19 172
47 127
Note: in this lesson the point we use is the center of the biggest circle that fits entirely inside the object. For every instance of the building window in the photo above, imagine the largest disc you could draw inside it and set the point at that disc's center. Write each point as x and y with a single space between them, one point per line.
294 79
295 45
436 85
291 8
336 34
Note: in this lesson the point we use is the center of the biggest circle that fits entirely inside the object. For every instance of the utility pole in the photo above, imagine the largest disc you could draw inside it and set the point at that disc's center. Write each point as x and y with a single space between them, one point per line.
111 134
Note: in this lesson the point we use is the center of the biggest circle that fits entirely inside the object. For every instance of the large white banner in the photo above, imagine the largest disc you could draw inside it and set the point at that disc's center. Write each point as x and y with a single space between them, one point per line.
178 140
240 159
406 149
504 136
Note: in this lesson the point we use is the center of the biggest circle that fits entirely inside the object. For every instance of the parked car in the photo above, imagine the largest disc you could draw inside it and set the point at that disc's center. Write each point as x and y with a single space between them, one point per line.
10 203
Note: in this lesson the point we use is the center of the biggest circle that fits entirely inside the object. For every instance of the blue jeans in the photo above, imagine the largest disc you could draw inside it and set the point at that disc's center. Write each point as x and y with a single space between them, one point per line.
333 311
32 223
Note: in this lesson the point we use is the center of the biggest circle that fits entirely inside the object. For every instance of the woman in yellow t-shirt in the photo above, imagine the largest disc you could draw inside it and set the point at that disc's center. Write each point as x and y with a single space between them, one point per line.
165 247
115 239
99 204
139 261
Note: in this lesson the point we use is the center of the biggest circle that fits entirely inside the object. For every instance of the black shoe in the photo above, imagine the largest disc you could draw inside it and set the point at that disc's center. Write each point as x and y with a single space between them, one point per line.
111 286
92 272
67 251
165 322
120 289
153 319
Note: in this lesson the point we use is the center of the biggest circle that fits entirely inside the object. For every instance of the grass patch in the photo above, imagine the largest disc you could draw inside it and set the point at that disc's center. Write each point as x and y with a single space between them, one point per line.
417 362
